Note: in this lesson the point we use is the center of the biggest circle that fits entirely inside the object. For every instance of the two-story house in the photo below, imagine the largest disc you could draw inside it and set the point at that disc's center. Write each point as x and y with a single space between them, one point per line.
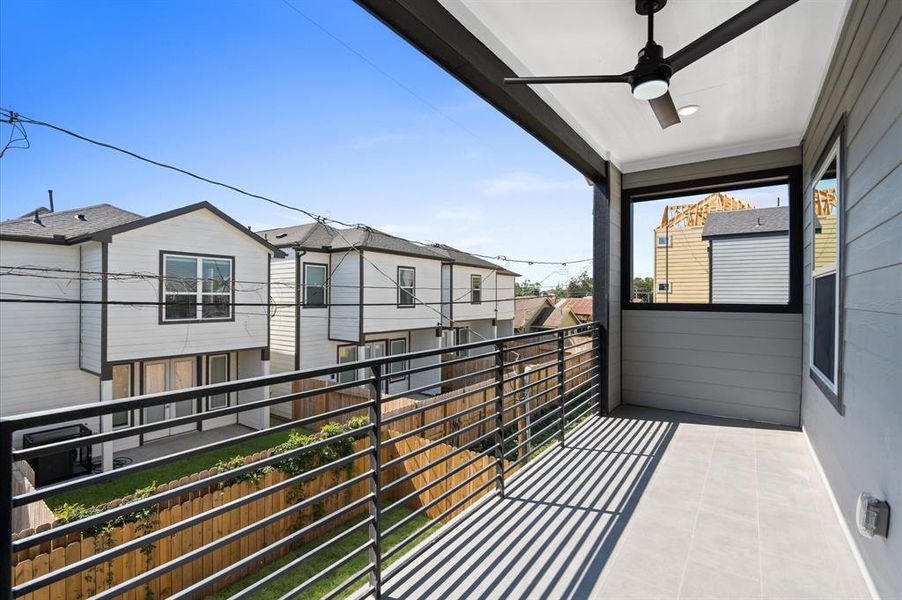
118 305
360 293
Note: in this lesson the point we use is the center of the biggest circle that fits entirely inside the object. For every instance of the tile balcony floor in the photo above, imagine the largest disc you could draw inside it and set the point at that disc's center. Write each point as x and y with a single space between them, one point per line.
650 504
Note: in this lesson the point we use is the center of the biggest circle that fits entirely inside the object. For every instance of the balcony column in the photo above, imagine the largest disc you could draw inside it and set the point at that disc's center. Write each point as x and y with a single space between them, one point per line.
106 425
601 269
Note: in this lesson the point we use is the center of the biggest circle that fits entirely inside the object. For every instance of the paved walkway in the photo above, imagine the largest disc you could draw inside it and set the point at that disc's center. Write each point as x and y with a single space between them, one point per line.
650 504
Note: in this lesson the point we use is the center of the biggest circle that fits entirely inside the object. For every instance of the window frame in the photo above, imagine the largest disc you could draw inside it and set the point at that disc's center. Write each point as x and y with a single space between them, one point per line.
339 376
401 365
228 367
199 293
833 149
325 285
131 389
791 176
475 291
413 288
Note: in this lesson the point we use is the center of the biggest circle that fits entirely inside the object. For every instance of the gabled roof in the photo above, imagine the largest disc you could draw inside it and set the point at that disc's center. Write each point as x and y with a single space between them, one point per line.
552 317
747 222
101 222
460 257
527 308
310 236
367 238
66 225
579 306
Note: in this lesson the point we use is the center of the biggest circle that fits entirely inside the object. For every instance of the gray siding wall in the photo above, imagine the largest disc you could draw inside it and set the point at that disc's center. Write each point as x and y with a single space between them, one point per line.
344 290
861 449
282 325
737 365
91 259
614 321
750 269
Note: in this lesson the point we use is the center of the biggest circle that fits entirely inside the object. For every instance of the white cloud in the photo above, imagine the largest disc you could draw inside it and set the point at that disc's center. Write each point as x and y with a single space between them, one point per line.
467 214
521 182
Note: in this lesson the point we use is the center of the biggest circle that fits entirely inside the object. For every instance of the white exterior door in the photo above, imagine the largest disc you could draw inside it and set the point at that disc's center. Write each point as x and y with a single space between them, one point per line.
167 376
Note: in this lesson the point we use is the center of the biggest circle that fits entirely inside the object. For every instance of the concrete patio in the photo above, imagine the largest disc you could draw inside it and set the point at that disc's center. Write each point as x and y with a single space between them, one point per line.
650 504
181 442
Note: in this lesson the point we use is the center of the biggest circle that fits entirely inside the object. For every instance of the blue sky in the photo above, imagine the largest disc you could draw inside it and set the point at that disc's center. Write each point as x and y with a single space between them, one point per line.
255 94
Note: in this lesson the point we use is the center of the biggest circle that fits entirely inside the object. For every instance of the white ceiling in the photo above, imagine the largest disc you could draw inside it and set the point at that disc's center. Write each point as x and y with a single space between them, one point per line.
756 93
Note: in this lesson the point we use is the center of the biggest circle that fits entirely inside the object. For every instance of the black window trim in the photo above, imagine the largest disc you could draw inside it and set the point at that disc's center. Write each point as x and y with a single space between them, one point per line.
834 146
792 176
325 268
413 294
162 295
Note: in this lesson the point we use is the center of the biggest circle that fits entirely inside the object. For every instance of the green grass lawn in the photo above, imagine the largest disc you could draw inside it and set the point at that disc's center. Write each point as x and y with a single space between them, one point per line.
127 484
283 584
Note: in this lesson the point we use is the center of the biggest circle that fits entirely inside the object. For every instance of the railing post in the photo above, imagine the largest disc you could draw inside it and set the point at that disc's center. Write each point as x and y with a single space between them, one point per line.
597 344
499 418
6 523
560 382
375 531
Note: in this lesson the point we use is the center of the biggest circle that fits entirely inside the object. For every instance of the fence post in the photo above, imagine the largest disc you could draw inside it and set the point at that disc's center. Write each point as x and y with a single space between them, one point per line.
375 552
6 496
499 418
560 381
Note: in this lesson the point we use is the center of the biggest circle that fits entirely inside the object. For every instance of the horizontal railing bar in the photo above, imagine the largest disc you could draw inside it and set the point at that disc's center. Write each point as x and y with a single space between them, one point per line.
543 406
406 393
286 567
580 353
437 442
110 553
556 413
515 479
414 514
296 591
94 409
587 410
97 438
550 390
547 338
112 513
589 330
580 364
436 423
404 500
420 470
431 405
336 591
395 549
581 383
584 402
532 384
440 364
532 358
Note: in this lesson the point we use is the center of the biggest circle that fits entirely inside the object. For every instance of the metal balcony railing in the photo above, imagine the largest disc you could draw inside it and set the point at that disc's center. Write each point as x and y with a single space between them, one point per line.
529 391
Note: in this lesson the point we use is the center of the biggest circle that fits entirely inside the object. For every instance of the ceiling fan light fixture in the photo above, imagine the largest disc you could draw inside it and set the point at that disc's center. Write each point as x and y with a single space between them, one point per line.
651 88
688 110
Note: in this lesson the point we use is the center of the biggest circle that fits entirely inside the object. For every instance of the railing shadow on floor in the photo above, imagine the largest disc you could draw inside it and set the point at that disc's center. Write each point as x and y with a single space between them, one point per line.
600 475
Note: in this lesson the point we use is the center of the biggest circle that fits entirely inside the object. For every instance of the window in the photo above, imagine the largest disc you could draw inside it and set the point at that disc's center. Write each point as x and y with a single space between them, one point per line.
122 388
726 241
826 207
406 286
218 372
314 285
475 289
347 354
398 347
462 336
185 300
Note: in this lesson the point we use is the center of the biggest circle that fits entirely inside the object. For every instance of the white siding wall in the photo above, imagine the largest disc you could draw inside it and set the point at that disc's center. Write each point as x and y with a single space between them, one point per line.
344 297
753 270
739 365
492 283
39 343
91 257
282 325
380 273
135 332
446 295
861 449
425 339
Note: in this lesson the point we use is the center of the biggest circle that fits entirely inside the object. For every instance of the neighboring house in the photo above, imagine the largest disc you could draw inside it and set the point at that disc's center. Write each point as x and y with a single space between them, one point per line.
527 310
117 329
749 255
361 293
681 255
581 307
554 317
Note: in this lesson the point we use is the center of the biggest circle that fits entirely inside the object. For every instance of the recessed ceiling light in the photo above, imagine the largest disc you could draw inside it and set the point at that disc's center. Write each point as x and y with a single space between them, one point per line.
689 109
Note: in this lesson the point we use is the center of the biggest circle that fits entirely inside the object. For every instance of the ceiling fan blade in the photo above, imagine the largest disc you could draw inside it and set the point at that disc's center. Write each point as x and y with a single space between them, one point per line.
665 110
569 79
727 31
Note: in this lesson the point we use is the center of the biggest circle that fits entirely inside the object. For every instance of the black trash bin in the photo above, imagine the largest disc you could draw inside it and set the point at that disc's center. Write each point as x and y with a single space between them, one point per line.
59 466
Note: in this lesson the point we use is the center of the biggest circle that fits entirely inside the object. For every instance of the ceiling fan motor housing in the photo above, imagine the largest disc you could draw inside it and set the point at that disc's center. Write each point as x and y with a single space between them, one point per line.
651 66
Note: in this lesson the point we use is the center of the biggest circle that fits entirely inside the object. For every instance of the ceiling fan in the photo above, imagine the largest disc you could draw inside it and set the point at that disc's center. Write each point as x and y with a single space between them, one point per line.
650 79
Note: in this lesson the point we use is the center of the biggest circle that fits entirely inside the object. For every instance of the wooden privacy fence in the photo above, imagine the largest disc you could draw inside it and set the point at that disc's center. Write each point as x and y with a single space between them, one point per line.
64 551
